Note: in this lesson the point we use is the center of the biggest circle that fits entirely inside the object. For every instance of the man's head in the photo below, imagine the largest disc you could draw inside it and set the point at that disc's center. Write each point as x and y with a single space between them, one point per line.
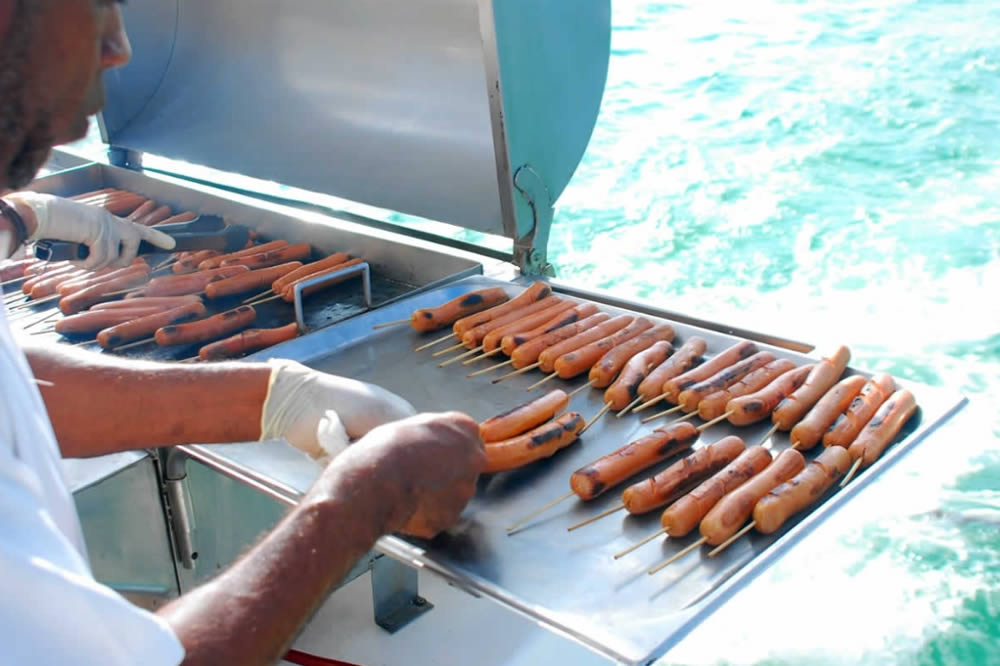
52 56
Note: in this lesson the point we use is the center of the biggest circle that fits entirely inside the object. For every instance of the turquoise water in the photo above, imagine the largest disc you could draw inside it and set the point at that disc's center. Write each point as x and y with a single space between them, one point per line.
828 172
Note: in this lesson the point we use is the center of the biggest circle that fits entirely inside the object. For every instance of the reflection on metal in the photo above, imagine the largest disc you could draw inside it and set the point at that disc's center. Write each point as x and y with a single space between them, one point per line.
175 473
394 594
338 276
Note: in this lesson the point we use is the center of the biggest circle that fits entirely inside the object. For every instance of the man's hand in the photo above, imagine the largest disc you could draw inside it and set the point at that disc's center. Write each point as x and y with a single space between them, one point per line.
428 465
111 240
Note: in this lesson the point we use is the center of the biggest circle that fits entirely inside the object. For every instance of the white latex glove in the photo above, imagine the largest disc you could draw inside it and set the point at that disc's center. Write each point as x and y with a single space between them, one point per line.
321 414
112 240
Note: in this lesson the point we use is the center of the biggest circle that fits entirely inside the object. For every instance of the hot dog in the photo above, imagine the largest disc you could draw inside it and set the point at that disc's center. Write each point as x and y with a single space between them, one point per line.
673 387
748 409
189 264
690 397
84 196
216 262
624 389
83 299
122 206
91 322
244 282
823 375
571 364
512 341
684 515
523 418
849 424
491 341
536 292
12 270
143 210
159 215
809 431
608 471
474 336
548 357
787 499
334 259
685 358
542 442
47 286
433 319
674 481
288 293
215 326
38 267
85 281
165 302
732 511
30 283
192 283
245 342
145 326
268 258
527 353
883 428
713 405
607 367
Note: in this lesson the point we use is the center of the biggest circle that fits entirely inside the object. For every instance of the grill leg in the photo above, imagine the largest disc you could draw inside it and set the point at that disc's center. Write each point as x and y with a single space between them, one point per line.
394 594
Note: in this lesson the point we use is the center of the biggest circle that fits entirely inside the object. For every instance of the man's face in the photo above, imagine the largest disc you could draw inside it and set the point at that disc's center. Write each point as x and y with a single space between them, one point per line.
51 62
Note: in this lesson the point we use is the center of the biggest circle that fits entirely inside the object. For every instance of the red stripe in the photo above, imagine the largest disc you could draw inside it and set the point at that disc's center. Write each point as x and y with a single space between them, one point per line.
306 659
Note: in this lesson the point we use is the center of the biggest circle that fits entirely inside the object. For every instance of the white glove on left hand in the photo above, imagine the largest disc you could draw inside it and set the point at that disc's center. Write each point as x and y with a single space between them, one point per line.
321 414
112 241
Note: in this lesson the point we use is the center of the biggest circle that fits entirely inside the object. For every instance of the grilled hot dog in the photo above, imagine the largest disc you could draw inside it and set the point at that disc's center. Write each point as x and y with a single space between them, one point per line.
583 359
847 426
607 367
433 319
690 397
624 389
883 428
548 357
542 442
245 342
714 404
787 499
685 358
823 375
145 326
215 326
523 418
527 353
808 432
673 387
536 292
748 409
512 341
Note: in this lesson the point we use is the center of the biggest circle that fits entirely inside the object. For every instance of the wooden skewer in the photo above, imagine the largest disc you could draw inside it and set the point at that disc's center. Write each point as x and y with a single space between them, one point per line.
123 291
766 437
709 424
438 341
521 521
256 296
725 544
447 350
387 324
482 356
604 410
580 389
628 407
4 284
133 344
523 370
36 301
84 343
603 514
190 359
264 300
460 356
41 382
39 321
796 445
676 556
489 369
542 381
851 472
163 264
650 403
663 413
662 530
686 417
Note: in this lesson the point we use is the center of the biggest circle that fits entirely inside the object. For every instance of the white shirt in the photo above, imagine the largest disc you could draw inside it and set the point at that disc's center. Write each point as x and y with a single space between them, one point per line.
52 611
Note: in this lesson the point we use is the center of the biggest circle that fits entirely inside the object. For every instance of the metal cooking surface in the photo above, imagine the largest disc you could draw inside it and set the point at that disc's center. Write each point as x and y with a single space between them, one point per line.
568 580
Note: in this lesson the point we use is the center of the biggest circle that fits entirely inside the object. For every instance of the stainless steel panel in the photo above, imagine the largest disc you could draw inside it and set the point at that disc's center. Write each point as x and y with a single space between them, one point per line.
566 581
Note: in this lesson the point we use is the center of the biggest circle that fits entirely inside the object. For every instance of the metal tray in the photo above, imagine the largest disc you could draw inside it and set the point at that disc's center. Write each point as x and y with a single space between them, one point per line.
566 581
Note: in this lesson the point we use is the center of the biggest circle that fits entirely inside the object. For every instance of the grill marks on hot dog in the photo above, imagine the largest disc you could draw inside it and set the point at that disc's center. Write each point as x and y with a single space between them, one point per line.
685 358
581 360
714 404
882 429
474 336
536 292
548 357
672 387
207 329
757 406
823 376
607 367
808 432
245 342
847 426
794 495
433 319
690 397
523 418
143 327
512 341
626 386
491 341
529 352
534 445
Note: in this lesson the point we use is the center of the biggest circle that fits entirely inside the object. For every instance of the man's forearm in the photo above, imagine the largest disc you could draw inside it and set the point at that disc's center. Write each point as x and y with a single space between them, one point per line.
100 404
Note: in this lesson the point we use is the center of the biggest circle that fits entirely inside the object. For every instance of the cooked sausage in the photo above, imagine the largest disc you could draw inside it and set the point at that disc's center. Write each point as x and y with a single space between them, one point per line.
103 275
474 336
732 511
186 216
523 418
30 283
12 270
849 424
159 215
215 262
166 302
548 357
823 375
433 319
536 292
787 499
673 387
491 341
606 368
689 398
91 322
142 211
685 358
148 325
573 363
288 293
123 205
674 481
608 471
334 259
542 442
203 330
527 353
512 341
268 258
883 428
47 286
86 196
809 431
83 299
192 283
713 405
245 342
684 515
748 409
189 264
38 267
624 389
249 281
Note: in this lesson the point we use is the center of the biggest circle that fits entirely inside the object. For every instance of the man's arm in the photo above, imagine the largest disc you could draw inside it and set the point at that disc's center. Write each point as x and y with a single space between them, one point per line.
102 404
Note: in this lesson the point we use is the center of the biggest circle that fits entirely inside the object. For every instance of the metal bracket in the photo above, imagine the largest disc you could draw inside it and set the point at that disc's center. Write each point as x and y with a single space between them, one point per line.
181 522
125 158
530 251
394 594
366 288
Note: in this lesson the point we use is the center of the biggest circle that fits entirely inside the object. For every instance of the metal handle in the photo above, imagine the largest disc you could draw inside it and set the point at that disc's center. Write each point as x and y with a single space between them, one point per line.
366 288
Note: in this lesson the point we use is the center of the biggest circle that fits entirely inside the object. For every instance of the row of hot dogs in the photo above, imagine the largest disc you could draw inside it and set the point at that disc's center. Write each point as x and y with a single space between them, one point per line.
717 487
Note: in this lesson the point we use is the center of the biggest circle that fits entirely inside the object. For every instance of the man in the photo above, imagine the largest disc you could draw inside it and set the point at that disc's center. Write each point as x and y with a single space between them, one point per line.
52 54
